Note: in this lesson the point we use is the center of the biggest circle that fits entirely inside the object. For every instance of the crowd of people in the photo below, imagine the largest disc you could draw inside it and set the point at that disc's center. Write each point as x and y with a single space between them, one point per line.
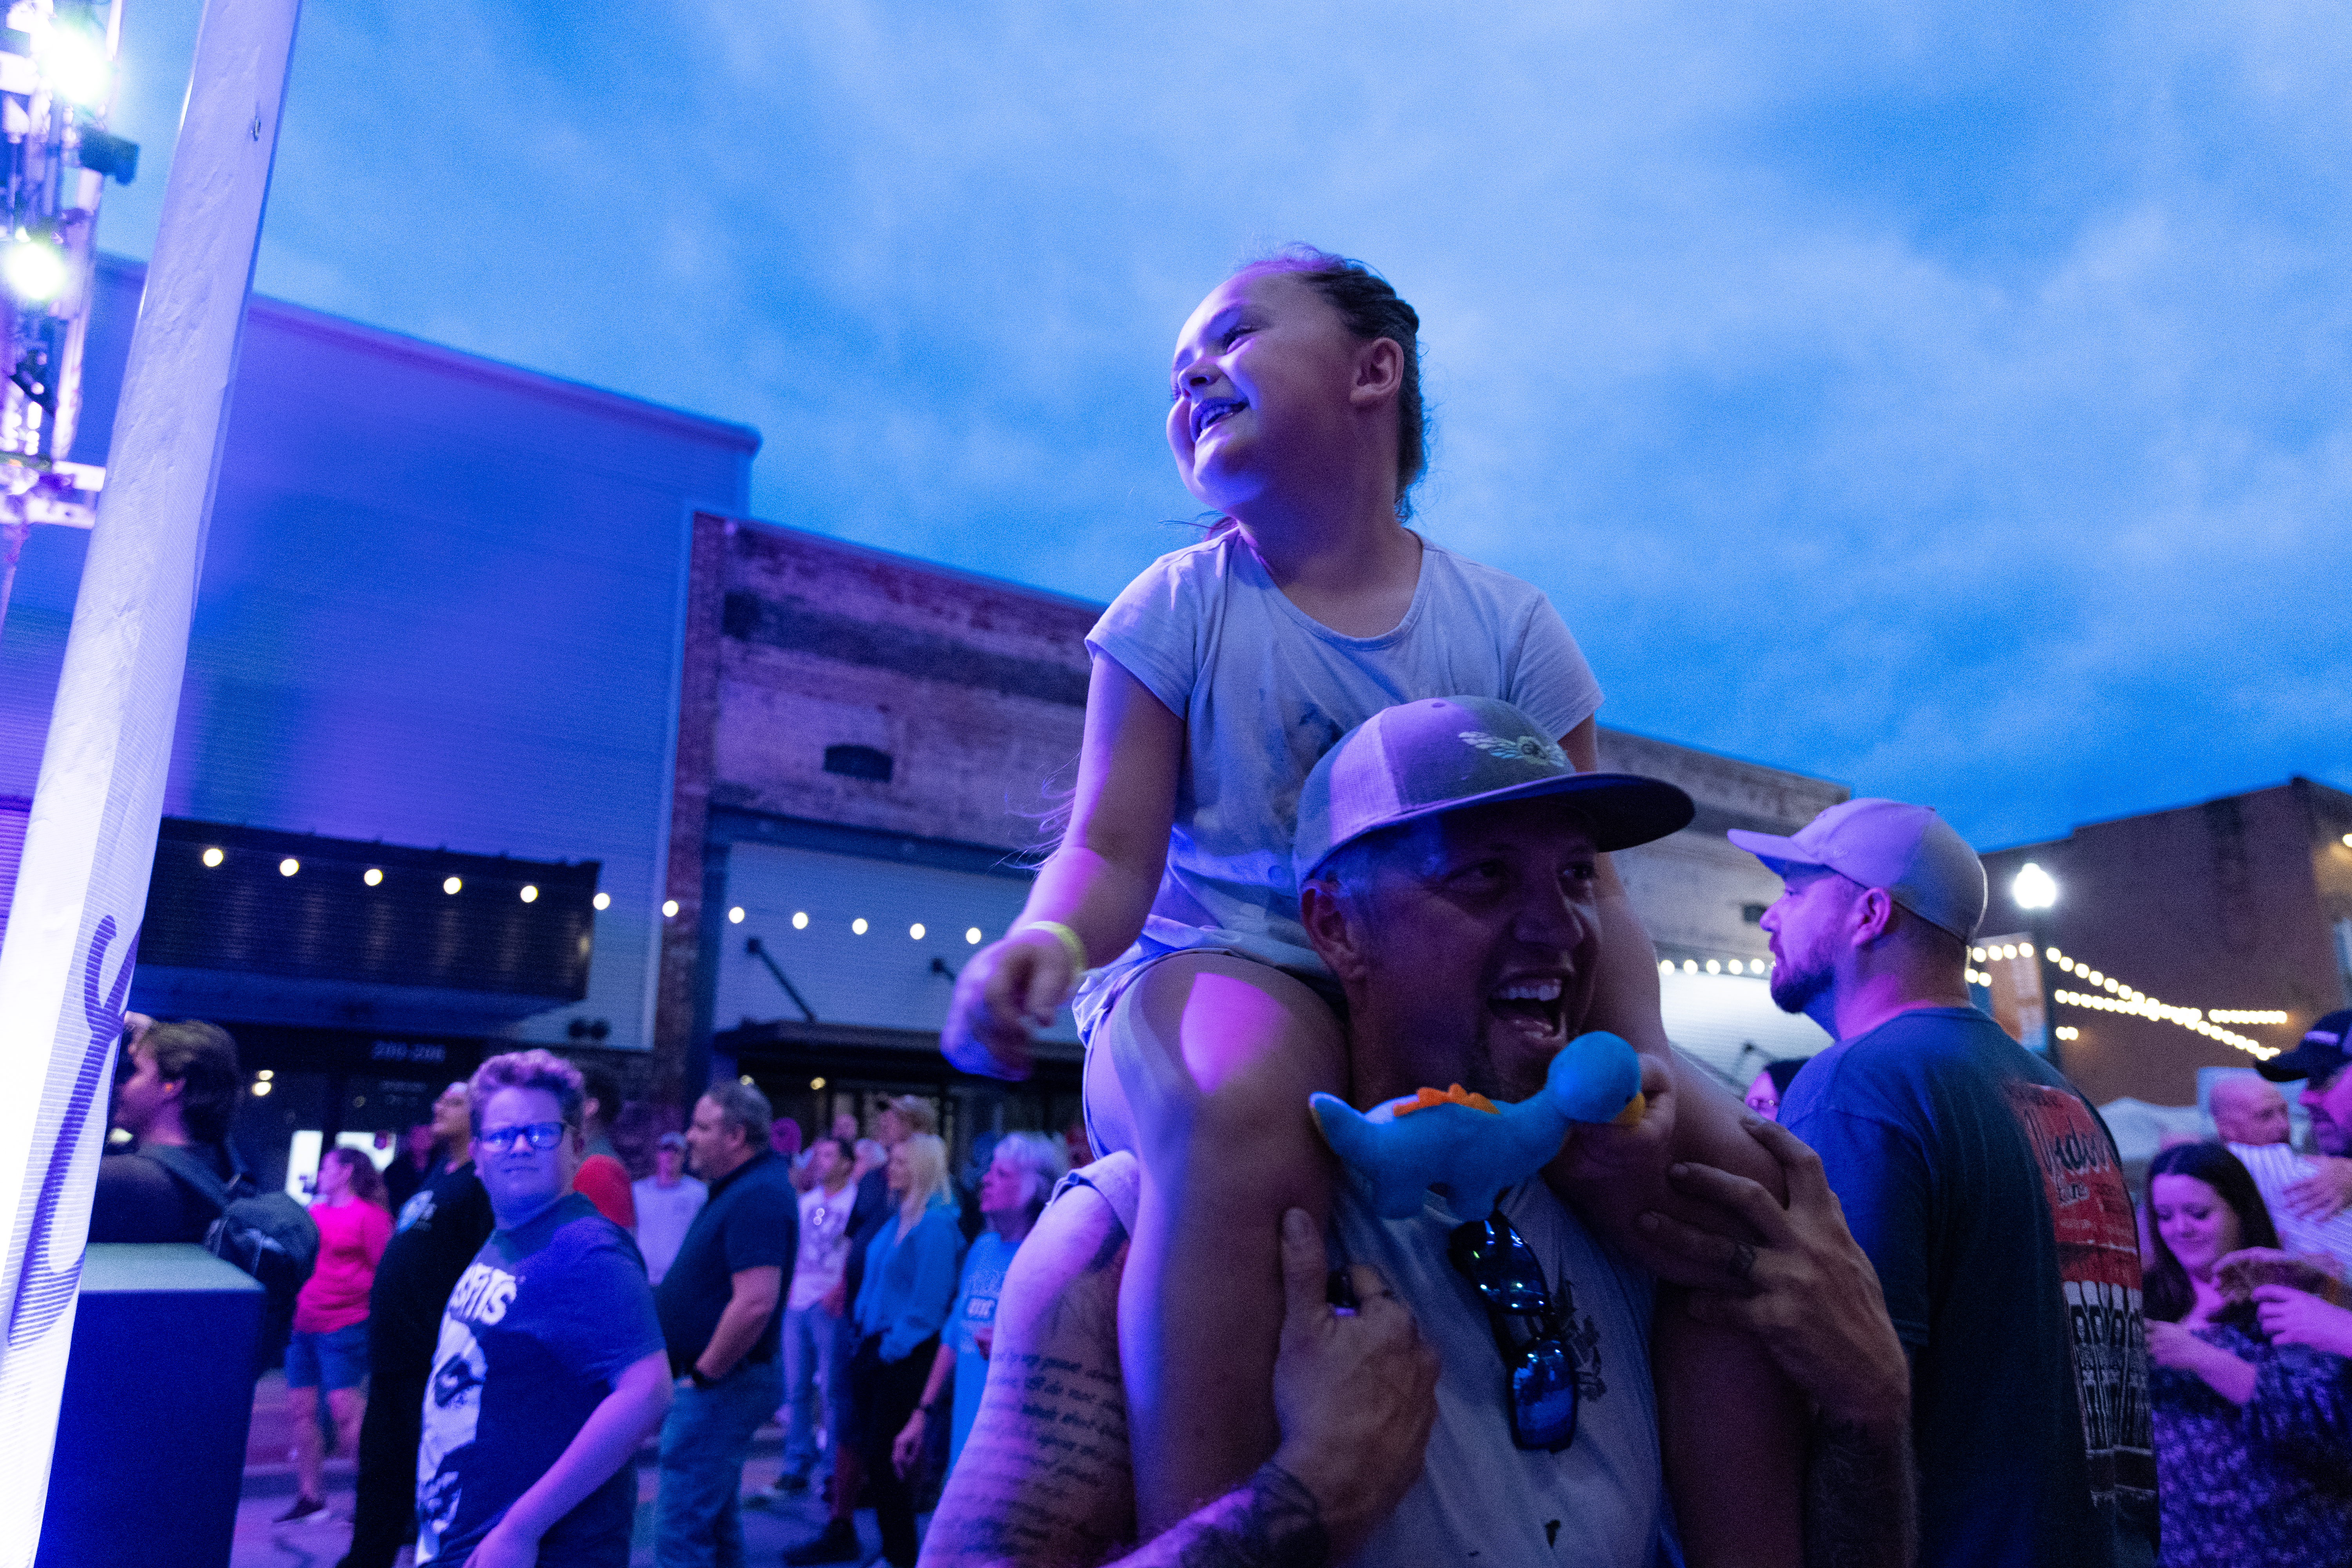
1338 830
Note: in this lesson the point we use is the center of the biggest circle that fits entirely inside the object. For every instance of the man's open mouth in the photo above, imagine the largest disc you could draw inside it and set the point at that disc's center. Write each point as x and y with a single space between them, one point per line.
1209 411
1531 1005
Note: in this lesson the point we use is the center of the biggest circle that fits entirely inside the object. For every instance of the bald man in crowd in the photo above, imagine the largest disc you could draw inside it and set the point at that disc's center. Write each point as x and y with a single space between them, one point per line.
2305 1193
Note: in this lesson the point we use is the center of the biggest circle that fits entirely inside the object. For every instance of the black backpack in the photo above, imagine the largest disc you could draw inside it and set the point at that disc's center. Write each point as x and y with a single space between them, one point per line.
267 1234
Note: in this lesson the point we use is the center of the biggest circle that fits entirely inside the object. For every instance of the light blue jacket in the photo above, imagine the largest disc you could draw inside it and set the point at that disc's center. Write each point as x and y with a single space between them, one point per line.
910 1280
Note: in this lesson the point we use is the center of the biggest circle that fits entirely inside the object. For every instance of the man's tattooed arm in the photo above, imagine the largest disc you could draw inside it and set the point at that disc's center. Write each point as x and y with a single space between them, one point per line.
1270 1520
1046 1481
1861 1500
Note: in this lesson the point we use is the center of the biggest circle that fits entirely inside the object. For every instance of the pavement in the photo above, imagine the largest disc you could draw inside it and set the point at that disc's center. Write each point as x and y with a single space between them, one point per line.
320 1541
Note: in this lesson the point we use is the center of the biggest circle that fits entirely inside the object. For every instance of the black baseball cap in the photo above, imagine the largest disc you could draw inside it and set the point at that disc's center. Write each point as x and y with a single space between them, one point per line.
2322 1054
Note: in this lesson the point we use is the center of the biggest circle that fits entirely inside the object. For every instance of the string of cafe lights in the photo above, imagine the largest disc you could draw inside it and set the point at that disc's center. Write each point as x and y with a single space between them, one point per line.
2115 997
736 914
214 858
1716 966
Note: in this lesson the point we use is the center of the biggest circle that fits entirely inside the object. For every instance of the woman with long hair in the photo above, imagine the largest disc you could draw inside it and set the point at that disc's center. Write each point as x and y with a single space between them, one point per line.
328 1347
2252 1471
910 1280
1020 1178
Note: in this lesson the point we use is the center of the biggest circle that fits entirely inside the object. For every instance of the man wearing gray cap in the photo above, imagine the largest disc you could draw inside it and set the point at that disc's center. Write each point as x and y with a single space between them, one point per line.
1985 1189
1447 853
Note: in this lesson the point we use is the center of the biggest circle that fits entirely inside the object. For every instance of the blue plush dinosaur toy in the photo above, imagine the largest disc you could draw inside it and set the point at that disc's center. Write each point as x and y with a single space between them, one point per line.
1469 1145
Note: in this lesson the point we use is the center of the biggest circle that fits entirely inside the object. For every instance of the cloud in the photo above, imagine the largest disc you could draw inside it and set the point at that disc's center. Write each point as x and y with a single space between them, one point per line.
1947 399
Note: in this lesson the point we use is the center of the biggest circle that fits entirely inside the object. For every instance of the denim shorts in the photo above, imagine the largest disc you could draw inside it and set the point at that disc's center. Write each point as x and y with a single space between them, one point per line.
337 1358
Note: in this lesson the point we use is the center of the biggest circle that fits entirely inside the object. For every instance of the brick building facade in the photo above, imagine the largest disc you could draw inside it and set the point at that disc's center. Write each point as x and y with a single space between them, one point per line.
868 750
2238 905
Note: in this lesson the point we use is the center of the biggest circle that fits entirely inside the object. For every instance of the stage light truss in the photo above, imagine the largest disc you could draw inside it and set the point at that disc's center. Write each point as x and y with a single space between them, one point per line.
57 82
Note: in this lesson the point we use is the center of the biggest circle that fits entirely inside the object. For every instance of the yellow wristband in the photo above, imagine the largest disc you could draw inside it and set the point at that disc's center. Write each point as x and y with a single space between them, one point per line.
1069 940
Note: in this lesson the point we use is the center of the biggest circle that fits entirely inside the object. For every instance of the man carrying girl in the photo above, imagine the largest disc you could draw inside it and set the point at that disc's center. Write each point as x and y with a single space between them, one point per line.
1220 677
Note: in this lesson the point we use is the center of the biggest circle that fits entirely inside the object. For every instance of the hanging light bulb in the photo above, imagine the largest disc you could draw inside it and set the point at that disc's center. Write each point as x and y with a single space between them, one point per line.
36 269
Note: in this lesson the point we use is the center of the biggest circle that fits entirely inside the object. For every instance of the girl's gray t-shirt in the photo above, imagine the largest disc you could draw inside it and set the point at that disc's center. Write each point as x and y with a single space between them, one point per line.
1265 689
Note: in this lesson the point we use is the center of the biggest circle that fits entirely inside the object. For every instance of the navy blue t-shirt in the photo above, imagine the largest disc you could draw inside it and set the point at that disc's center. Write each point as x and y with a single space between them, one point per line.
752 1220
536 1333
1987 1192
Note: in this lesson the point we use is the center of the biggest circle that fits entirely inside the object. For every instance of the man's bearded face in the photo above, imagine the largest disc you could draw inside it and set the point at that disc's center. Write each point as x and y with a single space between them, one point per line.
1801 924
1482 934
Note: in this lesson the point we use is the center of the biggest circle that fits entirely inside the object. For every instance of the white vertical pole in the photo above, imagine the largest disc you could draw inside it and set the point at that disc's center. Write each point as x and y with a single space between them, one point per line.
81 887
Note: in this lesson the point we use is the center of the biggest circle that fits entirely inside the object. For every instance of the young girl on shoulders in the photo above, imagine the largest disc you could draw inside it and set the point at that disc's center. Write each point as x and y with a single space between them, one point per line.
1221 675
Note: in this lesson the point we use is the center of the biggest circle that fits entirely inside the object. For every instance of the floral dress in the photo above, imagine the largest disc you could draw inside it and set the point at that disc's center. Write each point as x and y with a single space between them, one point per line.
2265 1485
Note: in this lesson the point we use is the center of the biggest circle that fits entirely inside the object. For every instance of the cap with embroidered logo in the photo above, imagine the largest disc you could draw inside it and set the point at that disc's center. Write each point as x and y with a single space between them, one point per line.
1443 754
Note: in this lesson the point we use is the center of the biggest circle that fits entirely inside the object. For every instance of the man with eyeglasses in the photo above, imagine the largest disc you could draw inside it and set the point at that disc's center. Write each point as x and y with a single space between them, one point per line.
551 1368
1446 856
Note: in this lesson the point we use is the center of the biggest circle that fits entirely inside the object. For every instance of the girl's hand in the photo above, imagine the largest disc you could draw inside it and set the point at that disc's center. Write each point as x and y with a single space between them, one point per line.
2292 1317
2169 1344
1009 990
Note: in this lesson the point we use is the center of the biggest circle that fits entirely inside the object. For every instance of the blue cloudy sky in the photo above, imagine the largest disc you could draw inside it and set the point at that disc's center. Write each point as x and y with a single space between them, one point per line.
1952 399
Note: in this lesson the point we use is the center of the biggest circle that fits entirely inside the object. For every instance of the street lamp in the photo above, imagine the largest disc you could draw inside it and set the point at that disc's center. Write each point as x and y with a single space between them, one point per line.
2036 891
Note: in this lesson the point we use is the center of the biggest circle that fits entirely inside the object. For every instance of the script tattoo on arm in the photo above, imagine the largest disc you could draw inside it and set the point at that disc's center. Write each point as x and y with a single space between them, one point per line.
1045 1479
1862 1498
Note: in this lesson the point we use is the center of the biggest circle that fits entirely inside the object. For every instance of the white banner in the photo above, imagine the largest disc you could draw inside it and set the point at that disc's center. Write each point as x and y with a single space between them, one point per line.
81 888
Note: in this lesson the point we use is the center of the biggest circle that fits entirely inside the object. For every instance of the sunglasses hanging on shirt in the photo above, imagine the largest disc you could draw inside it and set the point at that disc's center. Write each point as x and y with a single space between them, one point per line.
1539 1370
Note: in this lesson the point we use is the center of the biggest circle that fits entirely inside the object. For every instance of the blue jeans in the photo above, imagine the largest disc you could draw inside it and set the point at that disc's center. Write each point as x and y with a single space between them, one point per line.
817 1348
704 1440
336 1359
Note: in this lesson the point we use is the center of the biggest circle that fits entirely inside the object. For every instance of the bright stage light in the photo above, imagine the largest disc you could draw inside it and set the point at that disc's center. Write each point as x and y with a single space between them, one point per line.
76 64
817 1083
971 935
529 894
857 926
35 270
603 900
915 931
372 876
670 909
450 884
735 915
214 857
288 866
800 920
2035 888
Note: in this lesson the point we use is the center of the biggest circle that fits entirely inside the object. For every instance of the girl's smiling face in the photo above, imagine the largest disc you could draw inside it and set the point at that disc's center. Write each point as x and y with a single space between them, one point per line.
1261 386
2200 1227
